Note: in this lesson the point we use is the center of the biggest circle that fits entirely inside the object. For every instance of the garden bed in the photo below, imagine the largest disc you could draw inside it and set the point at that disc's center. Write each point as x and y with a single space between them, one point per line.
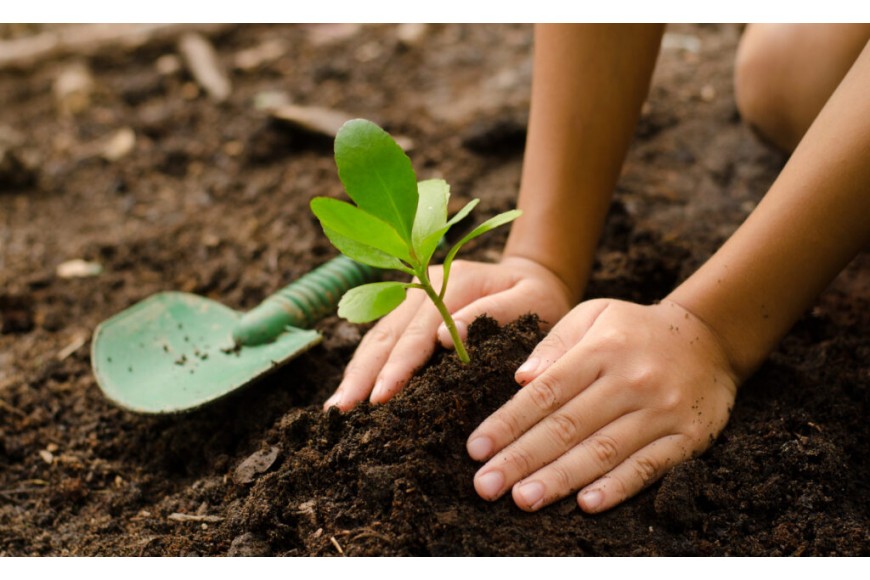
212 198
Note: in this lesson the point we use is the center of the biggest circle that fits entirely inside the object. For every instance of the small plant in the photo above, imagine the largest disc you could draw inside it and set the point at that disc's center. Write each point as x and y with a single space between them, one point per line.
397 223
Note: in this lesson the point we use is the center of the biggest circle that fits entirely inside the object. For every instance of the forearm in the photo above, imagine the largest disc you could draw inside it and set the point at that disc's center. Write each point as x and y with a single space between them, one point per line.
589 84
812 222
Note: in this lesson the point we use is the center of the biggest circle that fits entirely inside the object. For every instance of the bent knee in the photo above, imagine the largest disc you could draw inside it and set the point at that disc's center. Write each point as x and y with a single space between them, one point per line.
762 84
785 73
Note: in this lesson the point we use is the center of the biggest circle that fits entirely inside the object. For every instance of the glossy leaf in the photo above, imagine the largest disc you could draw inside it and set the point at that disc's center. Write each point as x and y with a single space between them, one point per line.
460 215
353 223
371 301
428 246
431 209
430 223
363 253
377 174
490 224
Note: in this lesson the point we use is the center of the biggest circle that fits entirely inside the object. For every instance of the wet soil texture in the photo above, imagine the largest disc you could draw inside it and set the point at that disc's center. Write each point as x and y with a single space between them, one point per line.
156 178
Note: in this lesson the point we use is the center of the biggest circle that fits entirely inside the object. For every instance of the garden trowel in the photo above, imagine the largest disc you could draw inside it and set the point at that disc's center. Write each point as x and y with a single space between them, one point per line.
176 351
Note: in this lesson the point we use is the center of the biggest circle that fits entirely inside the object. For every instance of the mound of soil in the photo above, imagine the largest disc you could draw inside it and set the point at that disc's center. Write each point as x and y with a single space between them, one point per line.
212 198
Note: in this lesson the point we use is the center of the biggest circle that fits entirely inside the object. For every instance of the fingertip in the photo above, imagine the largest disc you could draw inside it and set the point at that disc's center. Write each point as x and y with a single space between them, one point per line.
527 371
479 448
529 496
444 336
350 392
378 393
489 485
591 501
386 388
332 401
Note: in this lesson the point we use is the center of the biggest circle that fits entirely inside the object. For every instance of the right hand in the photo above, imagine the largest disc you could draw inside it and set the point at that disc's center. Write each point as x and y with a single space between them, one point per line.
403 341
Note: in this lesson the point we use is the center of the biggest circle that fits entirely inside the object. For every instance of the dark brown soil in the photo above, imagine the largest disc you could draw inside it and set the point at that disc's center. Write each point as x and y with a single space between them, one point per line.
214 200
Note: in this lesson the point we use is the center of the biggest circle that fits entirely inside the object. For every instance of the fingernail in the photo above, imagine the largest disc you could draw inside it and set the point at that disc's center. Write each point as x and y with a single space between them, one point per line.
531 494
591 500
377 391
479 448
529 366
332 401
489 484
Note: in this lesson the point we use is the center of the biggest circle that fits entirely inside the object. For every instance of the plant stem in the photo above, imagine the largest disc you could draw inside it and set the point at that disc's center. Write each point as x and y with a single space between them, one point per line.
448 320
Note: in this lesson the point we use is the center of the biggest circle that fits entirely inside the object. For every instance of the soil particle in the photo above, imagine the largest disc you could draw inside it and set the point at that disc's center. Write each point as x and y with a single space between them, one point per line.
16 313
249 545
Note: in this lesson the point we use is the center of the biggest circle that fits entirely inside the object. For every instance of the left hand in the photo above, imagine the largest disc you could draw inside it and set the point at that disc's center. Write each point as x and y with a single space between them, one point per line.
614 396
403 341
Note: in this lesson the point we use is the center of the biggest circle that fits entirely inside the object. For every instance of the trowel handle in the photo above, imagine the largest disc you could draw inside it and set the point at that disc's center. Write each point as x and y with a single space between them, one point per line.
307 300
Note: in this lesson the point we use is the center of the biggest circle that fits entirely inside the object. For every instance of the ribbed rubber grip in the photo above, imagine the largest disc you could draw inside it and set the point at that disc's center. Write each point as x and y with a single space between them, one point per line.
301 304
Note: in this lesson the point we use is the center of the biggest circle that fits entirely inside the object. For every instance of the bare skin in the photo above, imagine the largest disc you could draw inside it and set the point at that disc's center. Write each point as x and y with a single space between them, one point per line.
618 392
550 250
784 74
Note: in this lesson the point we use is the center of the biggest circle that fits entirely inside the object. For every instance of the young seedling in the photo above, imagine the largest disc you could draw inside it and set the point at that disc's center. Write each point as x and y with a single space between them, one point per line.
396 223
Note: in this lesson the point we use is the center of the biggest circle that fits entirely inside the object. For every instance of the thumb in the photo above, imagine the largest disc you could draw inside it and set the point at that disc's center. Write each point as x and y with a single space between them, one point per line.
502 307
567 332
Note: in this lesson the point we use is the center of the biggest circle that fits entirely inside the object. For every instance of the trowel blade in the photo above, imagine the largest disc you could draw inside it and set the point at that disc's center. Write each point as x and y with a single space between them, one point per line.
174 352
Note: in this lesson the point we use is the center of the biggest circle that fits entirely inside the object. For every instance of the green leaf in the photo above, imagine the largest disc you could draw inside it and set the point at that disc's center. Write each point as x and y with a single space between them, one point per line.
463 212
377 174
364 253
431 213
353 223
371 301
490 224
428 246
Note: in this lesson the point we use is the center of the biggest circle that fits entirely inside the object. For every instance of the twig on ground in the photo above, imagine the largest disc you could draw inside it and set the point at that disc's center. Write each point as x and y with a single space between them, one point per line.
202 61
177 517
336 544
77 342
15 411
87 39
8 493
312 119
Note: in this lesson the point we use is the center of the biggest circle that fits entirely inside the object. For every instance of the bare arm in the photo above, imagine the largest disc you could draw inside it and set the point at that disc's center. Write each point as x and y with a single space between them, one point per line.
812 222
589 84
618 393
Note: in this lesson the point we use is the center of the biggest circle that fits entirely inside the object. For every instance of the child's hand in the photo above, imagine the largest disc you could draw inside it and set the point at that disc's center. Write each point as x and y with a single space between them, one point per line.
614 396
404 340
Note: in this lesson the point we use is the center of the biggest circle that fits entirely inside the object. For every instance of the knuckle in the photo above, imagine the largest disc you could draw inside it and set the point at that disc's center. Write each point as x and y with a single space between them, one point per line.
564 428
643 377
646 470
648 383
418 331
506 426
562 478
520 460
612 340
670 400
604 449
552 342
615 486
697 434
380 335
355 370
544 392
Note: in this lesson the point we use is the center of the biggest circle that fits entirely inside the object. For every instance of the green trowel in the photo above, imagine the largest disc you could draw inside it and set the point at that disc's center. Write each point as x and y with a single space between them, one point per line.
176 351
